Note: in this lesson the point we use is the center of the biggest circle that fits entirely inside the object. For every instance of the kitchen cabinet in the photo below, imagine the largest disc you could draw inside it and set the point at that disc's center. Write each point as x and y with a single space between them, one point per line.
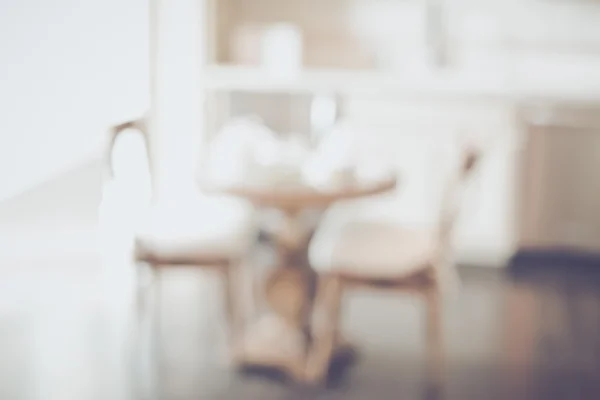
378 59
393 89
560 188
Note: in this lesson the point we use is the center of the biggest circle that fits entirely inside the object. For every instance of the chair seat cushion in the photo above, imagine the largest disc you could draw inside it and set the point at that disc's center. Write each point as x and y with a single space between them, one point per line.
213 229
372 250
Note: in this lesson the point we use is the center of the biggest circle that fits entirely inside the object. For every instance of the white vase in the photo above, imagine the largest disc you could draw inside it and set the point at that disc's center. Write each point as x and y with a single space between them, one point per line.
281 50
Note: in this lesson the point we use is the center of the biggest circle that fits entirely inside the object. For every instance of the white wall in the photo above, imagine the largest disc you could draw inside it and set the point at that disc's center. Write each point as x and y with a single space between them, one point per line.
69 68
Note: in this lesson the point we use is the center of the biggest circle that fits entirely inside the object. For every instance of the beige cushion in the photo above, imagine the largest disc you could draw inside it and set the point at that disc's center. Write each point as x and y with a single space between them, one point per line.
372 249
212 228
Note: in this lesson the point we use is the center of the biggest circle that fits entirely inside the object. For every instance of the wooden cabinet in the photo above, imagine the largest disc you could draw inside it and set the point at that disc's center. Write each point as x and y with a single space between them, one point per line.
560 187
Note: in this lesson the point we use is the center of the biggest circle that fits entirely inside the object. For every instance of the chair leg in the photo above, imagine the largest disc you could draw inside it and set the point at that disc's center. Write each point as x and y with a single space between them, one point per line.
232 304
326 327
149 339
435 344
144 282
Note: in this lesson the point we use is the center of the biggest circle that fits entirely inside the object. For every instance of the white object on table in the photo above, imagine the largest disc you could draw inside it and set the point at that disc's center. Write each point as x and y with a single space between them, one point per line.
241 144
346 156
333 161
284 166
323 114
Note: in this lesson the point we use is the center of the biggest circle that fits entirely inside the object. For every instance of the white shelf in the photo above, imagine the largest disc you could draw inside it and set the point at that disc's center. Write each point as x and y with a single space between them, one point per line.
255 79
527 83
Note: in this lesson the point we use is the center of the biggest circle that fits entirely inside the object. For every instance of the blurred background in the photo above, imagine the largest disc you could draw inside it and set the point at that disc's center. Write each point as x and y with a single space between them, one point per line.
301 88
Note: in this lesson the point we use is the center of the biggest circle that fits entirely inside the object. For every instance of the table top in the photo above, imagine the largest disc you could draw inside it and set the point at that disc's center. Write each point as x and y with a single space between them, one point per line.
299 196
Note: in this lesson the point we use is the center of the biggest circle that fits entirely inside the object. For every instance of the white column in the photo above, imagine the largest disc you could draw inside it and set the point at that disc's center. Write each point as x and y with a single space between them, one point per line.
177 104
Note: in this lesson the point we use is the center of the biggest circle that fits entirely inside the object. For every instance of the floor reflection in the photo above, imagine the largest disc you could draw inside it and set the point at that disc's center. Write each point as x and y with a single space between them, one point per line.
69 328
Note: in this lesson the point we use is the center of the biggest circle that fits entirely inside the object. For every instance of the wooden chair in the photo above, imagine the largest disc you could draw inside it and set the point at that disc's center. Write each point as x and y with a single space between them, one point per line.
385 256
211 232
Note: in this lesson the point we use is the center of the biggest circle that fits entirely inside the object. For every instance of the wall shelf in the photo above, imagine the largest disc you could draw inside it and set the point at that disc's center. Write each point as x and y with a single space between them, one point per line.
350 82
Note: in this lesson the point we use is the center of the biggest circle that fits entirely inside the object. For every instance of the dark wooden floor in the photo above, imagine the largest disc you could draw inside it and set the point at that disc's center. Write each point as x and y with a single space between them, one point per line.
67 330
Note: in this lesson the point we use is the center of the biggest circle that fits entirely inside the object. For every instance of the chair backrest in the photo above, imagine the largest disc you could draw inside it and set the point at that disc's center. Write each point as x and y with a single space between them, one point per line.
454 189
128 156
139 127
456 179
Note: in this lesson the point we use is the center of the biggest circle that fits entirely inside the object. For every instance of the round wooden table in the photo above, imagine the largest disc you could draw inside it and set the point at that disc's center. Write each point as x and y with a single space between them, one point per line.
280 337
